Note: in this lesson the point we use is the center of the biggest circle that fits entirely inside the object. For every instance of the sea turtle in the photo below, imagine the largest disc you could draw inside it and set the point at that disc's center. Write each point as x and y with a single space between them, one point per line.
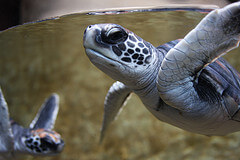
183 82
38 139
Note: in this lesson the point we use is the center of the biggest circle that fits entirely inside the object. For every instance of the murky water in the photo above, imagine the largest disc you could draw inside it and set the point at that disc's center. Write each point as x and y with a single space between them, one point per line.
40 58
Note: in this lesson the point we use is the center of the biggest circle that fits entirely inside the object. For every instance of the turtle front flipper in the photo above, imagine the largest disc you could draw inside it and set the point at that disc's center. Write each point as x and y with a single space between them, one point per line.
6 136
40 139
215 35
47 114
114 101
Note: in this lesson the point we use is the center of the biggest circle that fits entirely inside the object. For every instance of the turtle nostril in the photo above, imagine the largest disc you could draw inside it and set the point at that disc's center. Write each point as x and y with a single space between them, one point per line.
87 29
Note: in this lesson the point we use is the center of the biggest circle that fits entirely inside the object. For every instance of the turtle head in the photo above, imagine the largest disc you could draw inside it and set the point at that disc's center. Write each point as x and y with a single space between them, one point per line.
118 52
43 142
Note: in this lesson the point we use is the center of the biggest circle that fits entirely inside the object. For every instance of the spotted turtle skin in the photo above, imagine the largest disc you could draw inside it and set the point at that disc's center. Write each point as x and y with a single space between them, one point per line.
184 82
133 50
38 140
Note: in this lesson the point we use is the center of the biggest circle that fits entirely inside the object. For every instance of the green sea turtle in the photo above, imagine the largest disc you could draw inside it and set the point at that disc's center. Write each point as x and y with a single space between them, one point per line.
38 139
183 82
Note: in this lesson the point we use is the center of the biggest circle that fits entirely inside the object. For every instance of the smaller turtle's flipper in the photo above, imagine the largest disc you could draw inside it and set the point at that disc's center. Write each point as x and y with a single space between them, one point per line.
114 101
6 136
47 114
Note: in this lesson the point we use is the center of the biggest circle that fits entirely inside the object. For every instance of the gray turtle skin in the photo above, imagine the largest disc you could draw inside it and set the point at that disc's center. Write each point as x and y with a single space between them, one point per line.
37 140
183 82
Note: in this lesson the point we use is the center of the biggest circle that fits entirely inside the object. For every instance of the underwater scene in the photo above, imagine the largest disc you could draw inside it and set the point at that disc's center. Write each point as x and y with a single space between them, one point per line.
38 59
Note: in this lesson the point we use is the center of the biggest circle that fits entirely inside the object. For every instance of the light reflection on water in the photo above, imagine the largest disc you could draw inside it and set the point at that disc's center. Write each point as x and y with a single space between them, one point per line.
40 58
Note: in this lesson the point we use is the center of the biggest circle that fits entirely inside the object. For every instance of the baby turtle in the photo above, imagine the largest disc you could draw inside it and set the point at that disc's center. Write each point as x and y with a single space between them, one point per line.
38 139
183 82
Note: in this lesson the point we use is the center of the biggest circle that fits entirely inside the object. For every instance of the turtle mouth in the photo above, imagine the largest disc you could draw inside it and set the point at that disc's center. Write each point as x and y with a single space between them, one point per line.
92 54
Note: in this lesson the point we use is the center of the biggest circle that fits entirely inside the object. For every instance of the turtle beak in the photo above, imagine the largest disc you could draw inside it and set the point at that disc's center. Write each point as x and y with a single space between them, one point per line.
86 32
92 37
88 37
92 41
60 146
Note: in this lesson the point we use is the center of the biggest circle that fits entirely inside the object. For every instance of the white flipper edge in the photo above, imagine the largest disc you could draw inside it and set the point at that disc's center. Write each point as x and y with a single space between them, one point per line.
6 136
115 100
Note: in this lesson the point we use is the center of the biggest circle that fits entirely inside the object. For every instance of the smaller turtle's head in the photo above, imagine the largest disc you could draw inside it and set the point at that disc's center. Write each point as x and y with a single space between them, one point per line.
117 51
43 142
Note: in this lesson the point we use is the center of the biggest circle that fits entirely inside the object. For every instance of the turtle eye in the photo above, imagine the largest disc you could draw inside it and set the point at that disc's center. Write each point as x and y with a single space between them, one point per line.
114 36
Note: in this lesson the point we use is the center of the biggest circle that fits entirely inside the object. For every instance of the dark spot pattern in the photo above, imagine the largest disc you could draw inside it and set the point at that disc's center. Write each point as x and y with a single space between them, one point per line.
137 50
140 45
31 147
37 150
33 144
29 140
44 147
122 46
126 59
130 44
135 56
132 38
130 51
140 58
117 51
145 51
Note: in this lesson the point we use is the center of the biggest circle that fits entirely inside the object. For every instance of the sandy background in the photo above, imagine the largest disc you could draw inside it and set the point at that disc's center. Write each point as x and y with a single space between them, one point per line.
41 58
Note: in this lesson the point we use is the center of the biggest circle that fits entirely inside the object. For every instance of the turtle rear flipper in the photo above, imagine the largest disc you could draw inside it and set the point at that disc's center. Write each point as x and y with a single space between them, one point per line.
47 114
6 136
114 101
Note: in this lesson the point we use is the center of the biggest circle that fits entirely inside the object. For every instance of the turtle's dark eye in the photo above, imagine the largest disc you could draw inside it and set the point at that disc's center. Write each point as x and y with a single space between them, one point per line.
46 143
114 36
